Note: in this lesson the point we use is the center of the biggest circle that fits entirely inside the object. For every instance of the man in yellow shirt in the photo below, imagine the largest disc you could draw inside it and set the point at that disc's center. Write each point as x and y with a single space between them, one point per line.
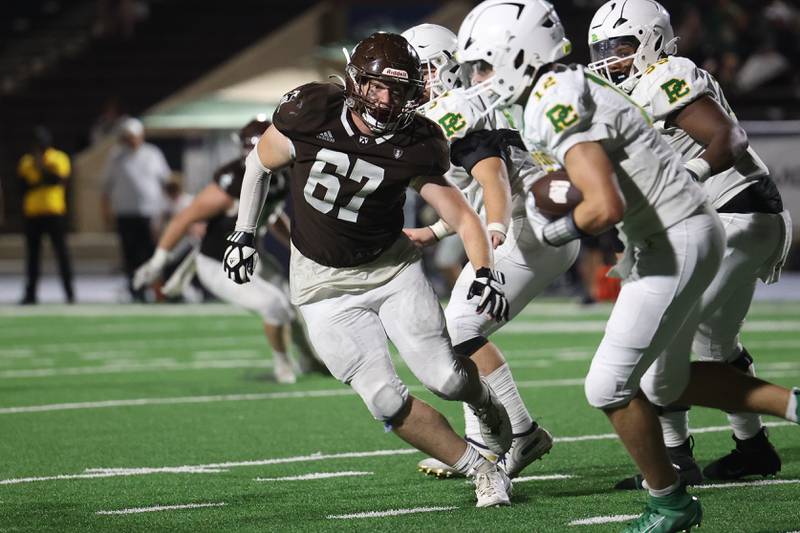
43 173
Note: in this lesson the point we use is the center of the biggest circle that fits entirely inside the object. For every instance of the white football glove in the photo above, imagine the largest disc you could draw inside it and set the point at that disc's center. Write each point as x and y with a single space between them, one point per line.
492 299
150 271
240 257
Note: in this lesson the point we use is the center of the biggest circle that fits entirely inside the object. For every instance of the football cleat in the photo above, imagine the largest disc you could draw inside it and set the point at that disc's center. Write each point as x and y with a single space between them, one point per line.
683 461
669 514
494 423
284 373
526 448
492 488
752 457
436 468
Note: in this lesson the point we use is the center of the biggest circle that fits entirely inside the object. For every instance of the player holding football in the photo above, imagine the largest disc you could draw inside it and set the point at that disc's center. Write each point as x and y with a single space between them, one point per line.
217 204
628 176
494 171
633 45
355 276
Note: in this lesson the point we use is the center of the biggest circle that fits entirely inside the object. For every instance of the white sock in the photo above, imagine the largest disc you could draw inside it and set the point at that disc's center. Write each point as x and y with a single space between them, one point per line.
503 385
791 409
470 461
472 429
675 426
745 425
660 493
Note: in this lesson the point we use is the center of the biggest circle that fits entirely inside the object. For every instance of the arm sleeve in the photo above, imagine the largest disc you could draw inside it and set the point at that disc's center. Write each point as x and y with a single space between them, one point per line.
255 187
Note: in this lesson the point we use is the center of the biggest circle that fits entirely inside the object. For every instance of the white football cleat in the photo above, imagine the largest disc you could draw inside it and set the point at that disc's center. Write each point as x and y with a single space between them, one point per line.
436 468
494 424
527 448
284 373
492 488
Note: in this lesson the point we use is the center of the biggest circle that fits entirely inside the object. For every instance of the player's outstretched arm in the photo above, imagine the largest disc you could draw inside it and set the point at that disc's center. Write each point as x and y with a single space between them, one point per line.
707 123
454 210
209 202
272 152
492 175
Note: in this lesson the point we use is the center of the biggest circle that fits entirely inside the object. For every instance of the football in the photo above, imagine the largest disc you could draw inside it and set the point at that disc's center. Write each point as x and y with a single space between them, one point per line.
555 195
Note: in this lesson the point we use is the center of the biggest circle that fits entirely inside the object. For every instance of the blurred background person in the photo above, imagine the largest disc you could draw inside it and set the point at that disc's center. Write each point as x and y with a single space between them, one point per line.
133 195
217 204
43 172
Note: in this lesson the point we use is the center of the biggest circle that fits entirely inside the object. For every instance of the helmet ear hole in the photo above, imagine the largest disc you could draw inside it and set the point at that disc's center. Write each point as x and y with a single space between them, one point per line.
518 60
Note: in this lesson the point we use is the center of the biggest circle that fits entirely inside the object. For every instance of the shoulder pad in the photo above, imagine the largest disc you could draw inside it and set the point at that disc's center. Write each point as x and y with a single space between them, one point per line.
557 107
455 114
668 85
306 109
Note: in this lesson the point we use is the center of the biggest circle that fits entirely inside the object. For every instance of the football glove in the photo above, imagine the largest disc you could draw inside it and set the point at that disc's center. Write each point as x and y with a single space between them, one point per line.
150 271
492 299
239 260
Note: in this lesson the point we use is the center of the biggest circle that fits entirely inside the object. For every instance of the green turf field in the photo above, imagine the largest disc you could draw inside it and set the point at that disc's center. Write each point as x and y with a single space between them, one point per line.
106 409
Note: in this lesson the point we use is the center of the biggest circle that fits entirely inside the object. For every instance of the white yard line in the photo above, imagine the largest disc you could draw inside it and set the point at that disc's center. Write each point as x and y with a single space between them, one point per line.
90 473
161 508
390 512
137 402
598 326
611 519
121 367
624 518
756 483
316 475
178 400
546 477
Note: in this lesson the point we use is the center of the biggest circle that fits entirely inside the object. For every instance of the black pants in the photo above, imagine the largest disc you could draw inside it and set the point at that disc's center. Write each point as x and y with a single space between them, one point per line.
56 227
136 237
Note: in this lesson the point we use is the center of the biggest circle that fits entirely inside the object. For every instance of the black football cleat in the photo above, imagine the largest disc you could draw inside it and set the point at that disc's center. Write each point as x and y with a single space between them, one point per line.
752 457
683 461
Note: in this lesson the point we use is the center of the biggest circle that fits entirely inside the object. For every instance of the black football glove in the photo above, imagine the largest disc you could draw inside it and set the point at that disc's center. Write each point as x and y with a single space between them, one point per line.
492 299
239 260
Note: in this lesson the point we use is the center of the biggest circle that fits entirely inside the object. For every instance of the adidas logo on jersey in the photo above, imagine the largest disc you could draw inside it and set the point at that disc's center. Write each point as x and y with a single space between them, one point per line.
326 136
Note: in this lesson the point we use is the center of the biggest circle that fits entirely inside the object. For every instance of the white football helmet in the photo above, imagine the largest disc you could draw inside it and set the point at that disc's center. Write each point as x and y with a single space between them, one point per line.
626 36
436 47
515 38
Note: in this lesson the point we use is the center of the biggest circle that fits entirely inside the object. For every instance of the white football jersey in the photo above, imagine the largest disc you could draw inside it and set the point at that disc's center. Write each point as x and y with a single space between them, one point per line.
459 116
668 86
571 105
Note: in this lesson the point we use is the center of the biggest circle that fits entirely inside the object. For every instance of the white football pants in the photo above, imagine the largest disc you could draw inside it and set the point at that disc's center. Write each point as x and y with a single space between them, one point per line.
350 332
529 265
258 296
754 240
648 336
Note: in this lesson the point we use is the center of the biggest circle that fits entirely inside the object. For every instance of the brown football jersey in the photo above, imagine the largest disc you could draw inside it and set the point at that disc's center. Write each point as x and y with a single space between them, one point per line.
348 189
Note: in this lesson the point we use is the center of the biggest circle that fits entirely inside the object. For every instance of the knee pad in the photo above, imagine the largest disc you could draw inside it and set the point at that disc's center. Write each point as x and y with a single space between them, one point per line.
384 400
469 347
604 391
449 383
743 362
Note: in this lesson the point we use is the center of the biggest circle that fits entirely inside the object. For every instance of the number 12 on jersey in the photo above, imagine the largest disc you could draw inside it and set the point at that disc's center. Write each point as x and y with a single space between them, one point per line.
341 162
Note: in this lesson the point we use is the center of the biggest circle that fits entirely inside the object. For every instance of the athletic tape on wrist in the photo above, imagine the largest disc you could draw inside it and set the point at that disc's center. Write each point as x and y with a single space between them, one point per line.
440 229
499 227
699 168
562 231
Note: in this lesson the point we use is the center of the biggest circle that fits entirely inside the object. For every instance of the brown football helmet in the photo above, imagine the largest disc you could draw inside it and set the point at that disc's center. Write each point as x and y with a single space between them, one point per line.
384 61
251 132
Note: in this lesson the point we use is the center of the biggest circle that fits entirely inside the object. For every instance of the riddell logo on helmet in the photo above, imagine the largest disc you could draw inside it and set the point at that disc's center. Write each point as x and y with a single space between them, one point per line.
388 71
